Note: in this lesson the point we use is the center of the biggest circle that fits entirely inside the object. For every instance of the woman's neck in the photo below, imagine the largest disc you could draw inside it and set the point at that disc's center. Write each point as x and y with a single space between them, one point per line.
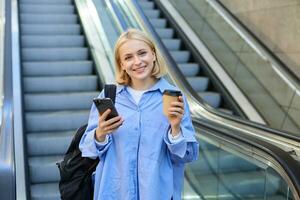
143 85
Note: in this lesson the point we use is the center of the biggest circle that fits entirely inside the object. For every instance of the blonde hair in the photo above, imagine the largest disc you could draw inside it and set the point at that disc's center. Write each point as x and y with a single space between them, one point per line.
159 68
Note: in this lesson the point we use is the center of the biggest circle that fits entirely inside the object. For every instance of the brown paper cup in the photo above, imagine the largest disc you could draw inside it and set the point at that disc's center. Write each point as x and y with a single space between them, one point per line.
168 97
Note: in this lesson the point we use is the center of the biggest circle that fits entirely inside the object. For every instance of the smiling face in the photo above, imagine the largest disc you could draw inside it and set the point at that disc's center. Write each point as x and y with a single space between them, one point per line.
137 59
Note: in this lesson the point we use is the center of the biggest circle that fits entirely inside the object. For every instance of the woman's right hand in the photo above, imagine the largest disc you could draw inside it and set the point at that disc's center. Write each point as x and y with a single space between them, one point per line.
107 127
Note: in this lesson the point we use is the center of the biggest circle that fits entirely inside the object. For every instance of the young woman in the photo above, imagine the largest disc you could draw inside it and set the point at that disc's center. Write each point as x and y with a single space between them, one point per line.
142 152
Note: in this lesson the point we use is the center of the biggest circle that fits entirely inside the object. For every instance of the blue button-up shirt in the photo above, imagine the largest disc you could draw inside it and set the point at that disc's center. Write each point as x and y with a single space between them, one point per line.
139 162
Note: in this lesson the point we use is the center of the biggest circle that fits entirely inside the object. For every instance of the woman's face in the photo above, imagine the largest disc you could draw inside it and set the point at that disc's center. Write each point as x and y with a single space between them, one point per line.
137 59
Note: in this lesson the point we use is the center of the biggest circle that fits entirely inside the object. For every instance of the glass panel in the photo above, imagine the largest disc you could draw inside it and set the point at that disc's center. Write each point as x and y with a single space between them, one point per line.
224 173
273 96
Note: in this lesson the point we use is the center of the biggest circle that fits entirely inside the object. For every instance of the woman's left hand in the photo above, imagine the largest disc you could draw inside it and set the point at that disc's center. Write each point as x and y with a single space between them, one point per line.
175 115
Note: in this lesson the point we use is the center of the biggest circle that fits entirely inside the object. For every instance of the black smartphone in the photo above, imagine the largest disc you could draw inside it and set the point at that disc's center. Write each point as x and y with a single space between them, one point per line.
102 104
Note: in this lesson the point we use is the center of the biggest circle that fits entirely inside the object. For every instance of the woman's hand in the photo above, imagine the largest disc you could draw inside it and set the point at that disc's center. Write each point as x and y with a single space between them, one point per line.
107 127
175 115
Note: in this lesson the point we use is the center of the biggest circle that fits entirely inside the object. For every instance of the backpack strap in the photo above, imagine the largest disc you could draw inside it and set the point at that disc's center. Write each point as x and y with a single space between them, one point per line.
110 91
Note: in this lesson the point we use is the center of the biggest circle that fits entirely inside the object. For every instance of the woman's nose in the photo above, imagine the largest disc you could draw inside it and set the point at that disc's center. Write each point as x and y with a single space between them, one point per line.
137 60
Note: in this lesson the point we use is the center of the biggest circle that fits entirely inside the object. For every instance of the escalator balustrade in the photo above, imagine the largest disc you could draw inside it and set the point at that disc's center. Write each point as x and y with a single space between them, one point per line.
58 86
183 57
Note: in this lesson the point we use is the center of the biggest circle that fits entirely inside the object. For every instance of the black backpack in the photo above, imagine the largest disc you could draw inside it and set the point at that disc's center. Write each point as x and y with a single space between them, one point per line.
76 171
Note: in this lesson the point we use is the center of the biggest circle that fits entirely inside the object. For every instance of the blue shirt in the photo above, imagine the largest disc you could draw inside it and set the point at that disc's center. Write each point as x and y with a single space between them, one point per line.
139 162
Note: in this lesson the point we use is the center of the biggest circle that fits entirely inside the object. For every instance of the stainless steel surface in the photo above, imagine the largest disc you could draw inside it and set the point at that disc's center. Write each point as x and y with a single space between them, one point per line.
19 139
97 40
233 89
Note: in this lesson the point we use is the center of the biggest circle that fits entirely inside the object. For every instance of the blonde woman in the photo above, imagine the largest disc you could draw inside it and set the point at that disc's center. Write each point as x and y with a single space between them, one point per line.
142 152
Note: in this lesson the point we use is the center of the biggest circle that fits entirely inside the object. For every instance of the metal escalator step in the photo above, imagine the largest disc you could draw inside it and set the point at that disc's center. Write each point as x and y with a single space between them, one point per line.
165 32
147 4
46 9
57 68
57 29
45 191
48 19
189 69
60 83
55 121
172 44
159 23
59 101
52 41
199 84
181 56
212 98
152 13
43 169
43 143
47 1
54 54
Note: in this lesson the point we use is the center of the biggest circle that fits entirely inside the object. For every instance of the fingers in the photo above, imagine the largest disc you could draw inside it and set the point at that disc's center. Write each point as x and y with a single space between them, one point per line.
177 108
104 115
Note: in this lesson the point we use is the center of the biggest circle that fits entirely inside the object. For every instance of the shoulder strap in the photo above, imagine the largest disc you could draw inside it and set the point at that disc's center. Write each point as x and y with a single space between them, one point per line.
110 91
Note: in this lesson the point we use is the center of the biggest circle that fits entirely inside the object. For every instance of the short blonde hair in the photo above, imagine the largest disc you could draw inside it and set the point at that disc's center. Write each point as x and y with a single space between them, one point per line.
159 68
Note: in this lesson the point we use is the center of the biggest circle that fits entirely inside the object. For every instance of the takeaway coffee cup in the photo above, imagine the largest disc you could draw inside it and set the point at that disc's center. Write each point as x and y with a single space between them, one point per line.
168 97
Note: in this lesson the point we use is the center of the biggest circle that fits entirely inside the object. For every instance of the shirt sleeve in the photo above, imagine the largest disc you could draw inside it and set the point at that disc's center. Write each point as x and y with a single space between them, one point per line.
87 145
175 139
187 149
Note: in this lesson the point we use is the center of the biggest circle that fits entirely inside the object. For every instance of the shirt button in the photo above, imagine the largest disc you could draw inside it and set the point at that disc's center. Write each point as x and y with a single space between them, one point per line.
136 128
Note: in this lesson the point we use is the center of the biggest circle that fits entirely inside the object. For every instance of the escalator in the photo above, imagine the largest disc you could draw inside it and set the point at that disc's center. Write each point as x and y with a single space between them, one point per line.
59 84
191 66
59 81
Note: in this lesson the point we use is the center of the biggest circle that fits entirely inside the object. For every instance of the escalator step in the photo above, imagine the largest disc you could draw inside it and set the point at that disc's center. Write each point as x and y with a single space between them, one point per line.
49 9
54 54
152 13
45 191
48 19
212 98
52 41
57 29
55 121
181 56
47 1
165 32
159 23
172 44
57 68
199 84
147 5
189 69
60 83
42 143
39 165
59 101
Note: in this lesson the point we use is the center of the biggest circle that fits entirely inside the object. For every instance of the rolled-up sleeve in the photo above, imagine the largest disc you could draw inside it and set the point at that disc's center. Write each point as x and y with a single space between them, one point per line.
186 150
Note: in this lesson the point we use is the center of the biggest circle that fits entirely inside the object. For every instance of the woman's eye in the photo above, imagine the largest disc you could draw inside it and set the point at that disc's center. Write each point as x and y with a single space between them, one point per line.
143 53
128 58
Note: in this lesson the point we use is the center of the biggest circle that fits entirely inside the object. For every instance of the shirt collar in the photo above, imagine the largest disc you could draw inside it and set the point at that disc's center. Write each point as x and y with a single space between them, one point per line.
161 85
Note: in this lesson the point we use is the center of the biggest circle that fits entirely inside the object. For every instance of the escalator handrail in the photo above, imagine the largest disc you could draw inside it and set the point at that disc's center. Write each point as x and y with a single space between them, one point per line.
286 161
22 189
7 164
289 164
283 70
181 80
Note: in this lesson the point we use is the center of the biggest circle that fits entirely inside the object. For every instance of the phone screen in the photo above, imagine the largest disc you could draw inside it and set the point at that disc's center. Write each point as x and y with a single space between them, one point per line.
103 104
